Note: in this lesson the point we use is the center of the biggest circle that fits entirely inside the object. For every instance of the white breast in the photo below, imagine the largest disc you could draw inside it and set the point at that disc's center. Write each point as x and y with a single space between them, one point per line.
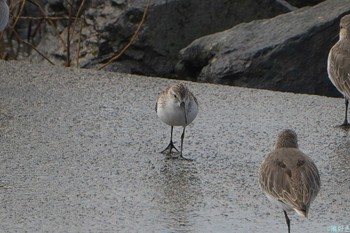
172 114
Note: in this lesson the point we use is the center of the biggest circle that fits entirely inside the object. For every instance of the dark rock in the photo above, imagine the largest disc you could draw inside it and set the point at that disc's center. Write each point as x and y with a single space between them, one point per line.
302 3
285 53
170 25
286 5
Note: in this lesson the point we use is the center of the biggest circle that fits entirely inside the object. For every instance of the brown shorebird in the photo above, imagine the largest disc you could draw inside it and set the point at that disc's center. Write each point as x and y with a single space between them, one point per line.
338 65
4 14
288 177
176 106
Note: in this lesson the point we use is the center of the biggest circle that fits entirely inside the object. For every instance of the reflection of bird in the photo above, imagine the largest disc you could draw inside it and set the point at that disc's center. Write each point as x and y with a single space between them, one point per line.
4 14
288 177
338 64
176 106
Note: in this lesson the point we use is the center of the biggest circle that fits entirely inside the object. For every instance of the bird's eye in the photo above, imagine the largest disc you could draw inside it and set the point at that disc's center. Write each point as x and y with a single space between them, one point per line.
175 96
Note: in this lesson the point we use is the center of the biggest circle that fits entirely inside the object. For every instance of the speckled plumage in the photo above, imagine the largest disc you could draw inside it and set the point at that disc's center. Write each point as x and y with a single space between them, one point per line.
168 107
338 63
176 106
288 177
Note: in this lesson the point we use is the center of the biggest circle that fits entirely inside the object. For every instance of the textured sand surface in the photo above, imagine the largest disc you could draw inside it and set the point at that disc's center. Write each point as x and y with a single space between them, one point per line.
79 152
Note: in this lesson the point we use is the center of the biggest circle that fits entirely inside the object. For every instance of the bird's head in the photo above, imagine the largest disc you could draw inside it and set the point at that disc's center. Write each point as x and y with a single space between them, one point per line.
344 27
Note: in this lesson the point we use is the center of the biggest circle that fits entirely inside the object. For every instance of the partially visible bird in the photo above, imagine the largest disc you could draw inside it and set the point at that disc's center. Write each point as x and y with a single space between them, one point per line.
4 15
338 64
176 106
288 177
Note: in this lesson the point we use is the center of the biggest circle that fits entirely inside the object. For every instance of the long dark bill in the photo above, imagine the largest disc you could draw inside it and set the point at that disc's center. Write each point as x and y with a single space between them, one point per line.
182 105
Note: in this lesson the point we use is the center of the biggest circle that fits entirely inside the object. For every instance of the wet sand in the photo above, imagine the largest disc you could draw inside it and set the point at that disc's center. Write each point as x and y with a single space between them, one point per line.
79 152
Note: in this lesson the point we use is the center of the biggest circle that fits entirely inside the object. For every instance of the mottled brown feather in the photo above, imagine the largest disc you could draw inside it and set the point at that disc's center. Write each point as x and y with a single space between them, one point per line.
339 70
295 183
178 88
288 175
339 59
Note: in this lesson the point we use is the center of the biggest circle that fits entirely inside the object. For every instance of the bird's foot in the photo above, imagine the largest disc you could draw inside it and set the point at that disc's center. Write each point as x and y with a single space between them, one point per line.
344 126
168 149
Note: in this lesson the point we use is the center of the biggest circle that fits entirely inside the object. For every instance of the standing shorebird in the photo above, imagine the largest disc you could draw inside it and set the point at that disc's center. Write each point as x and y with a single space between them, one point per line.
4 19
4 14
176 106
288 177
338 64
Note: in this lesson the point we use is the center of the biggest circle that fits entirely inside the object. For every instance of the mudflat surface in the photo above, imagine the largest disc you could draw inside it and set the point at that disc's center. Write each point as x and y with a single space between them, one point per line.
79 152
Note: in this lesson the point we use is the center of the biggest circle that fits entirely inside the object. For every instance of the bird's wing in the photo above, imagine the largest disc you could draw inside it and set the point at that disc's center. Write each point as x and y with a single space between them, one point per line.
339 67
293 179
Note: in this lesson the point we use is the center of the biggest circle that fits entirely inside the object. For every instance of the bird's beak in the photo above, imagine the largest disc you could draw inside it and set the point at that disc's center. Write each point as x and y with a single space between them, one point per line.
182 105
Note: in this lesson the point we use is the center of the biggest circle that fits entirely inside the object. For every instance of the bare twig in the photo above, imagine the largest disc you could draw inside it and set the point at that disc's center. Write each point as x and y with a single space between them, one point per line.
19 13
70 10
47 17
80 30
75 24
49 20
37 28
78 47
78 13
33 47
132 39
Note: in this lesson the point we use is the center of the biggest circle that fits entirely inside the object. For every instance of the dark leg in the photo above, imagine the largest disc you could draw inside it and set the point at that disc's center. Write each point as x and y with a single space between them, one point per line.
182 140
182 143
287 220
171 146
346 113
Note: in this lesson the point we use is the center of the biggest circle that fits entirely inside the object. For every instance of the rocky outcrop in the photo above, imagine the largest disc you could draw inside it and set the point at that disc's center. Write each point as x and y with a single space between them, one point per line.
170 26
285 53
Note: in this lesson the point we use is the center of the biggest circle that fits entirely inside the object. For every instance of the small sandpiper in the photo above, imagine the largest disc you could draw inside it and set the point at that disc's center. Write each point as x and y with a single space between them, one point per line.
176 106
4 14
288 177
338 64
